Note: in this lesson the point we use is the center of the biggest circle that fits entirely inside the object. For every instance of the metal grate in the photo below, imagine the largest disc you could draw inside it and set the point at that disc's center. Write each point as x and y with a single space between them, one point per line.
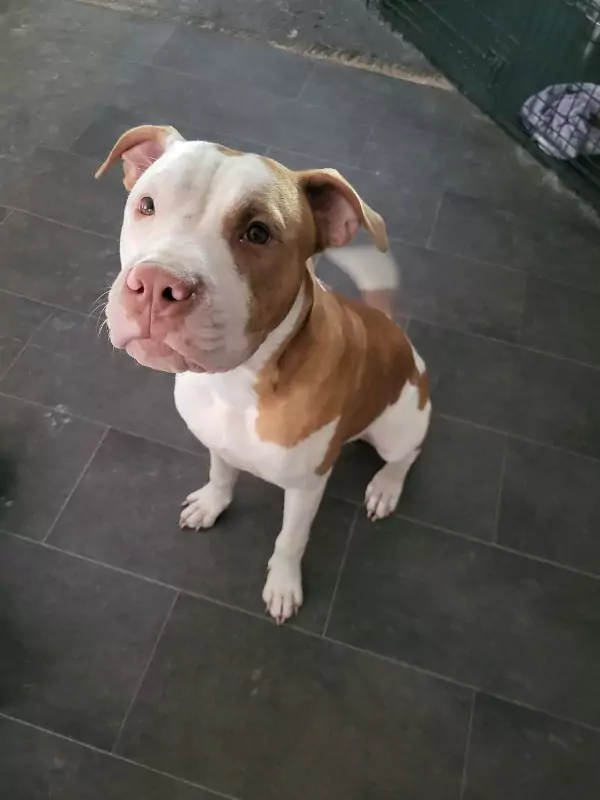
502 52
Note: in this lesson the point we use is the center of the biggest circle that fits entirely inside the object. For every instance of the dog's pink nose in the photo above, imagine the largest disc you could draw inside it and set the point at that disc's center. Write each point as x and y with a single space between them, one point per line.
156 286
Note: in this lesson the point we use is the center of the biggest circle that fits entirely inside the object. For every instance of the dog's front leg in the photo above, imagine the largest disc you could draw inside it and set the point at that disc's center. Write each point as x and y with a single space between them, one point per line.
283 590
202 507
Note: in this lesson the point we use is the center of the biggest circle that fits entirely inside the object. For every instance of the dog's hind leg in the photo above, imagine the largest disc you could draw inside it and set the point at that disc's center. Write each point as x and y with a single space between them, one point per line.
397 435
385 489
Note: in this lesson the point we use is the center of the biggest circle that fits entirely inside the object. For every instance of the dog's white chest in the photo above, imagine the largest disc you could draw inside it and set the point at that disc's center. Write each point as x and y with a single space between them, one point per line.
222 414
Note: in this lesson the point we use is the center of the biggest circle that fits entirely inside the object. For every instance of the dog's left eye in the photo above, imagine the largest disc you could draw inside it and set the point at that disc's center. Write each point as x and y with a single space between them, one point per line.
146 206
257 233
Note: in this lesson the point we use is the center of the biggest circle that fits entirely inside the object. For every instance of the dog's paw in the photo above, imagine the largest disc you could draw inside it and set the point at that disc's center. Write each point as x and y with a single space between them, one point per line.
283 590
382 496
201 508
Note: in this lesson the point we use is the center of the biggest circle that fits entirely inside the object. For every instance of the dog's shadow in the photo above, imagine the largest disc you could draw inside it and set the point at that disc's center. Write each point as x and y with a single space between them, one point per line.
8 481
20 666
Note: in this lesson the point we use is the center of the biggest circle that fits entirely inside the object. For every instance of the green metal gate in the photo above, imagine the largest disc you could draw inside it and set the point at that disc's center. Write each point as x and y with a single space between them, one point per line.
500 52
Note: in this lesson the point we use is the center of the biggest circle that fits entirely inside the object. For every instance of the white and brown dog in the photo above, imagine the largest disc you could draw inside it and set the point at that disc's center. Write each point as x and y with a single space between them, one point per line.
274 372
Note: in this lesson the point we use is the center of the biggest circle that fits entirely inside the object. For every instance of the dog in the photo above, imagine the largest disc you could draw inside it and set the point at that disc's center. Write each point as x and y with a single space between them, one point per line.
274 373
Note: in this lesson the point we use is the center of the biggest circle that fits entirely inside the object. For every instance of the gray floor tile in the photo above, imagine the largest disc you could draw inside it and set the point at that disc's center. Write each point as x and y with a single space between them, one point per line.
42 455
487 168
551 506
55 264
540 243
506 624
241 62
460 294
495 169
555 403
525 755
408 214
249 113
73 369
454 292
4 212
19 319
75 640
148 482
37 765
491 165
402 103
97 140
470 377
75 31
473 228
139 38
412 158
299 161
454 483
223 689
61 186
65 59
562 320
513 390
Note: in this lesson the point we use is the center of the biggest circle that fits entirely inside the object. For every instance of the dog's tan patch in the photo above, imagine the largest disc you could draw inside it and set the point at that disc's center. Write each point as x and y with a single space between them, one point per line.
228 151
273 271
347 362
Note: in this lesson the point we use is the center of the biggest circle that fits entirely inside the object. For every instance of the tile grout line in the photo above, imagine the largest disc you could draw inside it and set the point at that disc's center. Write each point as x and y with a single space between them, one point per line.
453 682
424 320
115 756
48 304
138 688
167 23
517 437
357 167
426 246
26 212
523 312
307 80
98 423
463 783
498 509
495 546
78 480
313 60
341 569
200 455
434 222
305 632
26 344
367 140
8 216
509 344
355 164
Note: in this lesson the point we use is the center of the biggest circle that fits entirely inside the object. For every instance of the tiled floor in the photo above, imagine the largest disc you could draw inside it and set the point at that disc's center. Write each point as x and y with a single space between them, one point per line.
449 653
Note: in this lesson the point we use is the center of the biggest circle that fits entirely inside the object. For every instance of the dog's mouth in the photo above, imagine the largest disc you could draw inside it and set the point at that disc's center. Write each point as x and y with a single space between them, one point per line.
160 356
197 342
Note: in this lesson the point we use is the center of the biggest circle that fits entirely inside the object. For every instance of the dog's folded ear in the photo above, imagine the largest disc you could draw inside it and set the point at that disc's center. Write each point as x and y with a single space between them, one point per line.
338 210
138 148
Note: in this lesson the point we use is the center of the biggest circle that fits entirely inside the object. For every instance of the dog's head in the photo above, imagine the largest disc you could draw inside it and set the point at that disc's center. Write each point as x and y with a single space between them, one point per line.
214 247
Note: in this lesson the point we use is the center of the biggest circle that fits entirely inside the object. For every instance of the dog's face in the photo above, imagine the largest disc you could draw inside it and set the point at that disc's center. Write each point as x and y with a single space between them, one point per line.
214 247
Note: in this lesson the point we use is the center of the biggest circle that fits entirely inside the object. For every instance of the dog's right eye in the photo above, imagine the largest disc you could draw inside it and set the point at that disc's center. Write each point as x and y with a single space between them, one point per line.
146 206
257 233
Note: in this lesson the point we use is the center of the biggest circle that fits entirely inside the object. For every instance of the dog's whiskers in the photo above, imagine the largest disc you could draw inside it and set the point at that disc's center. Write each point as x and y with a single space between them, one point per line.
99 303
104 324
